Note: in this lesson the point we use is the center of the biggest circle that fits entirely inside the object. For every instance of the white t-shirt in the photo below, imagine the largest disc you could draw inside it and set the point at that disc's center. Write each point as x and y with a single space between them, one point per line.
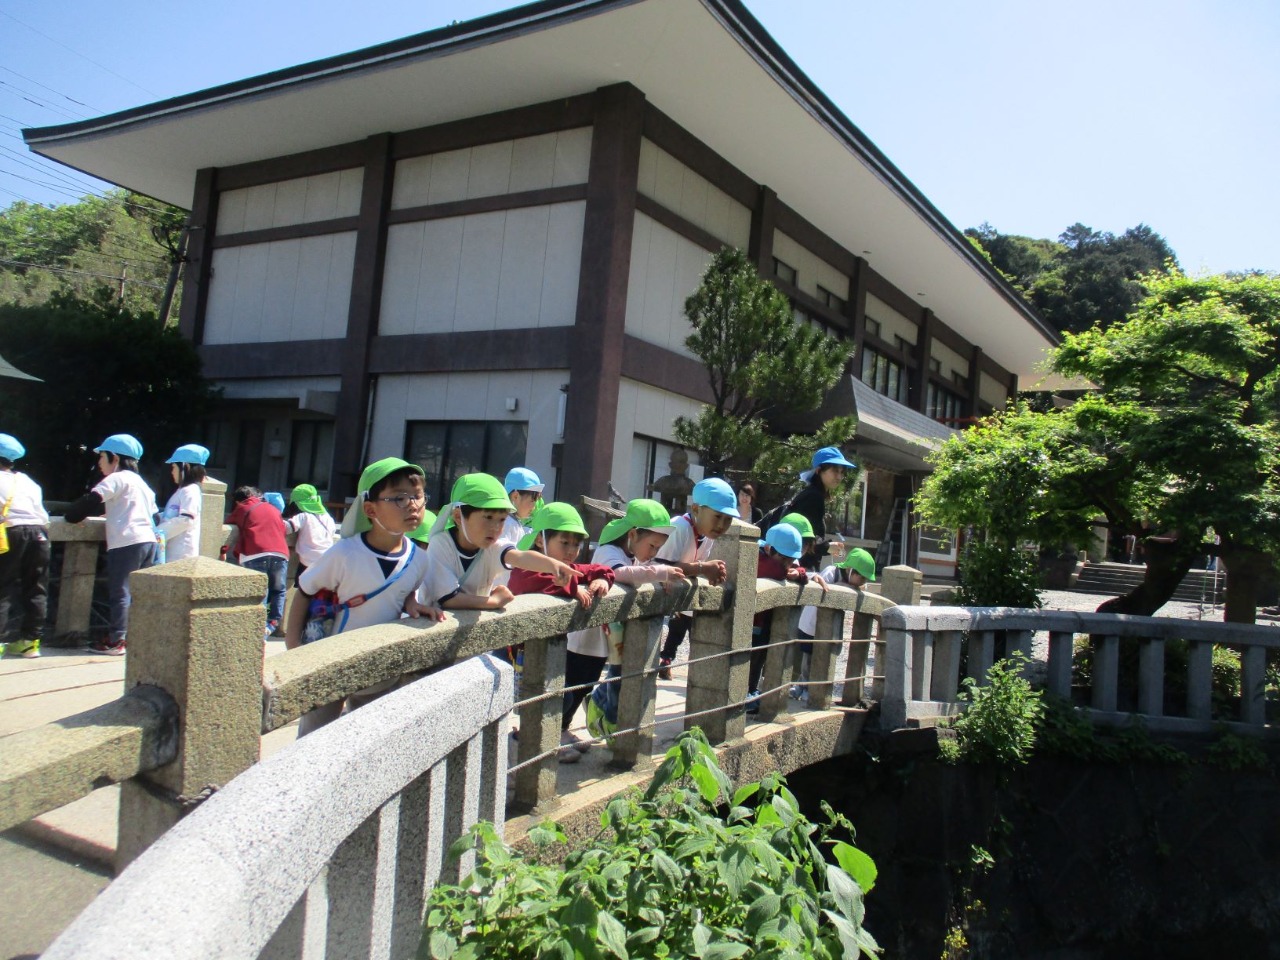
27 508
682 545
351 569
181 524
130 507
809 615
316 534
446 576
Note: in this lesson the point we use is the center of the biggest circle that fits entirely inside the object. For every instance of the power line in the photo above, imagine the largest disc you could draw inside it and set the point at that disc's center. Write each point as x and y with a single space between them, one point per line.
65 96
41 101
53 171
20 123
79 54
81 273
59 188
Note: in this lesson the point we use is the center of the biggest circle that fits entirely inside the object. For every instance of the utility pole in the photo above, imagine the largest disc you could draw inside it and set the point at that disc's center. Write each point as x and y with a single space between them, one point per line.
124 276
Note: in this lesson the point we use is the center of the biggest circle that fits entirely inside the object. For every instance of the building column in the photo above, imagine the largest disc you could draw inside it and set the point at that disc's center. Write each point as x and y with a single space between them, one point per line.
595 364
975 381
362 318
763 221
924 352
198 267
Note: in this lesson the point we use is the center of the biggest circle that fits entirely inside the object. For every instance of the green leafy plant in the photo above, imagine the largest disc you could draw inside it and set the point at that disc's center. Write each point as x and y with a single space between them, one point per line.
1002 718
1236 753
686 869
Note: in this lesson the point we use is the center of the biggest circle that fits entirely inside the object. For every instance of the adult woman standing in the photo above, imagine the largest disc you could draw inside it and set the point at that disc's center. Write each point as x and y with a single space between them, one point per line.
747 504
821 482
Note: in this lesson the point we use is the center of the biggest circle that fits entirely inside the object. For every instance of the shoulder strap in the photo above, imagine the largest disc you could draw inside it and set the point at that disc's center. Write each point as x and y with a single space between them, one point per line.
366 597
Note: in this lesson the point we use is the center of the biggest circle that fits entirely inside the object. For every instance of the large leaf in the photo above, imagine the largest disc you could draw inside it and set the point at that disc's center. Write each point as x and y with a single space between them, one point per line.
857 864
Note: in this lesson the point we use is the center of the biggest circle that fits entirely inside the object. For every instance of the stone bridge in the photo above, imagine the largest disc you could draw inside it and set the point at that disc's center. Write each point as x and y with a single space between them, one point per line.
329 847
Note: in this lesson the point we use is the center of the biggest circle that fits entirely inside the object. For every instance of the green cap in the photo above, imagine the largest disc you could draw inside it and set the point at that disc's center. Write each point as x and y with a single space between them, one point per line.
640 515
801 523
481 491
307 498
423 533
378 470
553 517
861 562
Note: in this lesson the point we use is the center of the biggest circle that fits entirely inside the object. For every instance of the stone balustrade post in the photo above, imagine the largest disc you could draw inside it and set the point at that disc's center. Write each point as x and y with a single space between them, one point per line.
713 683
901 584
638 692
213 508
543 673
81 543
195 631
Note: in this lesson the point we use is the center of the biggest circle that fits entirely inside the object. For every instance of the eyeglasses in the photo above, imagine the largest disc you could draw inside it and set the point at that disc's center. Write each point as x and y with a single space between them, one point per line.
403 500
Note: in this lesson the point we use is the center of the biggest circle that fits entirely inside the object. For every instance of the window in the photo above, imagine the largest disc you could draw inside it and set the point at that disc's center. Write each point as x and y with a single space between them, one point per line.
784 271
902 343
885 376
935 365
447 449
311 452
873 326
650 460
944 406
938 541
830 299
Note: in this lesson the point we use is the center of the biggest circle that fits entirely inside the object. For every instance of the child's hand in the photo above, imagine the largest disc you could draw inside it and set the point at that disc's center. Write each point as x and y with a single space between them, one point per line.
714 571
418 610
820 580
563 573
675 574
500 596
598 588
584 596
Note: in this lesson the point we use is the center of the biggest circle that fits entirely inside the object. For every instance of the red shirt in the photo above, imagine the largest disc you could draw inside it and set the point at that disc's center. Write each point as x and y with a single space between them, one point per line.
777 567
530 581
261 530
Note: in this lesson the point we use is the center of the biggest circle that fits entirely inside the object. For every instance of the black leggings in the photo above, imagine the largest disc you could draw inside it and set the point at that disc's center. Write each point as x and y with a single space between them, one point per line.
578 669
24 581
677 630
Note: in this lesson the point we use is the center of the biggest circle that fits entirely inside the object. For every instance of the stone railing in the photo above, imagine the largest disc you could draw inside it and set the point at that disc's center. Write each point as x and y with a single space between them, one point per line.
327 849
80 544
925 645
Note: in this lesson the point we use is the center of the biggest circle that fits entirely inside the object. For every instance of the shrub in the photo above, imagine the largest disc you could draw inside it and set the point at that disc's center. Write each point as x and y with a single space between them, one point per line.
992 575
669 875
1003 716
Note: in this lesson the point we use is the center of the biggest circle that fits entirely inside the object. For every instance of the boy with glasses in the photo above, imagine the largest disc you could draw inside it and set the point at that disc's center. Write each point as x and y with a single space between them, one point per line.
373 574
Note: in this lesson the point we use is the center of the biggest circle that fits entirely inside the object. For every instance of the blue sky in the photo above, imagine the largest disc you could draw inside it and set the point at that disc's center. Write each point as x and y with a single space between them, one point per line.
1029 116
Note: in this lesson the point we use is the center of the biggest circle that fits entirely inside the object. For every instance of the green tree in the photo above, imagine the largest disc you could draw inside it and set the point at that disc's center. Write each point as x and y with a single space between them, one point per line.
120 242
1180 436
1083 278
761 364
106 370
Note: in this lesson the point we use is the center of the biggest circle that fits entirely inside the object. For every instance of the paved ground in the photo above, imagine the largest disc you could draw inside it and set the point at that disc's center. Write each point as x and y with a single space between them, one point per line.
56 865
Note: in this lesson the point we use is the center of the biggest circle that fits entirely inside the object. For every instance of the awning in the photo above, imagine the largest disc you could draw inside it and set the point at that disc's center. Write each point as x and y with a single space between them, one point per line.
7 369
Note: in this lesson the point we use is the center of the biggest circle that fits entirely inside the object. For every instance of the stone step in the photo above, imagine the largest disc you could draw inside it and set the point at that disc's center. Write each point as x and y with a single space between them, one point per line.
1116 579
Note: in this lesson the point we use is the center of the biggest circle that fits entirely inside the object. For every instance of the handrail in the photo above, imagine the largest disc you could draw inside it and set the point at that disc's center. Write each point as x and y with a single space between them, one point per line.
347 827
52 765
923 662
328 670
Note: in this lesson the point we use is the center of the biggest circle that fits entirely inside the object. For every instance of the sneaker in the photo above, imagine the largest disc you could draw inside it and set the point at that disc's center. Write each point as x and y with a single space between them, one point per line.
567 755
753 702
796 692
108 649
664 668
30 649
272 627
568 739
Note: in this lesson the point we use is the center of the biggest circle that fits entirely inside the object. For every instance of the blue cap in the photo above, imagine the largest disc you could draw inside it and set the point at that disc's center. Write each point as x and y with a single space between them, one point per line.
275 499
784 538
831 457
522 478
121 444
190 453
716 494
10 448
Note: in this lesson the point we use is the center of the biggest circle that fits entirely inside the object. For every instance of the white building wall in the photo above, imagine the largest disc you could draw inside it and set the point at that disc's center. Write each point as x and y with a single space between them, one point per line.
283 290
510 166
992 391
648 411
952 363
892 323
325 196
811 270
489 271
470 396
665 269
665 179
